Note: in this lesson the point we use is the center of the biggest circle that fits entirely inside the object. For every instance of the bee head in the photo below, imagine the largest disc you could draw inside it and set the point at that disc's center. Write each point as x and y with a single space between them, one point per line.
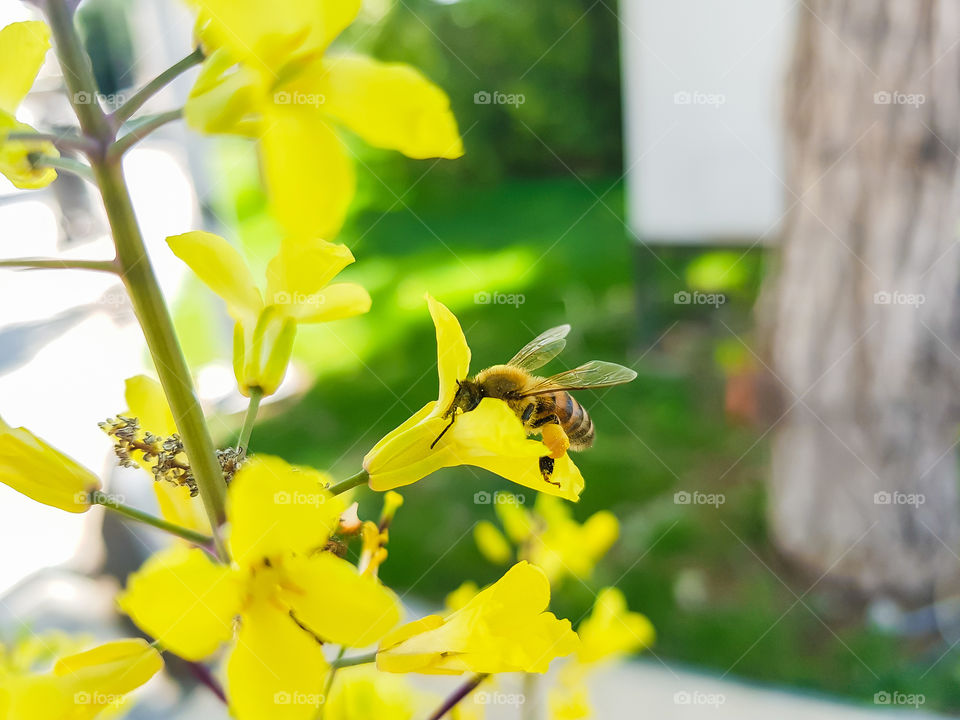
468 396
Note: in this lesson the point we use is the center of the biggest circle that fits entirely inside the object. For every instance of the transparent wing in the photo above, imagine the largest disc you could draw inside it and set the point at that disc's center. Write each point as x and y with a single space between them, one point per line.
542 349
594 374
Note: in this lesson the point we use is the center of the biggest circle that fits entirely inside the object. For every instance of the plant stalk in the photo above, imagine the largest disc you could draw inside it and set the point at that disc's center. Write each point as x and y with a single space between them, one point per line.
127 110
458 695
351 482
99 497
243 443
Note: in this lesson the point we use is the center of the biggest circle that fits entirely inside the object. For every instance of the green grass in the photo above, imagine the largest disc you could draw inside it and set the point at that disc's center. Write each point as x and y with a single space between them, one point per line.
708 578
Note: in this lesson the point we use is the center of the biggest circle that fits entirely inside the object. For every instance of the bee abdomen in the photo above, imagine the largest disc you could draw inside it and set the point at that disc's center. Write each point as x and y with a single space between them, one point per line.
576 423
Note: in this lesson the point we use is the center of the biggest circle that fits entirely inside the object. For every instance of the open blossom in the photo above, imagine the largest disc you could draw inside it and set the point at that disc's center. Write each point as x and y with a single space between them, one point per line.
287 592
298 290
23 46
82 685
491 436
42 473
503 628
269 76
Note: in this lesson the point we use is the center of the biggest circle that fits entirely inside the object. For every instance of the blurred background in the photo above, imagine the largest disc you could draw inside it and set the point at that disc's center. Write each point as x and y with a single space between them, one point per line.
753 204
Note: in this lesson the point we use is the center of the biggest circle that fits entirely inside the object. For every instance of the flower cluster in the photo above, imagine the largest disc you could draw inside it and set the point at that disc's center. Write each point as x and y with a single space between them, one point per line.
273 588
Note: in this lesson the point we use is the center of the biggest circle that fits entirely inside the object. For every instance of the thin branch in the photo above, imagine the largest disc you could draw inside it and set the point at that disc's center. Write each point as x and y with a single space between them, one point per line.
101 498
343 662
127 110
134 136
65 164
350 483
243 443
57 264
458 695
67 141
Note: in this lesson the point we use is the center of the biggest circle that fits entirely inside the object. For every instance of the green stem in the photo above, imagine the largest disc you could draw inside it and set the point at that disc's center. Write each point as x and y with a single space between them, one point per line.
243 443
343 662
56 264
101 498
70 141
321 712
151 311
458 695
351 482
148 126
65 164
137 272
126 111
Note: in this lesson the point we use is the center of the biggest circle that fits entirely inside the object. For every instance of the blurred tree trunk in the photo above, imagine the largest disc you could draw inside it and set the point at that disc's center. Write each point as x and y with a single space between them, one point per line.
864 482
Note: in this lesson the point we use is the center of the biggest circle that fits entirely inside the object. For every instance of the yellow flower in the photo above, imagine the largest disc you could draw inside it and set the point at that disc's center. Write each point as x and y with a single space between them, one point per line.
568 699
81 686
461 596
491 543
504 628
269 76
147 403
363 693
30 466
286 591
612 631
491 436
297 291
562 546
23 45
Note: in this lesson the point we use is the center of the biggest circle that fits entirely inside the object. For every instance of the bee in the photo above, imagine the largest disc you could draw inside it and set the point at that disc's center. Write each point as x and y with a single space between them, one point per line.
543 404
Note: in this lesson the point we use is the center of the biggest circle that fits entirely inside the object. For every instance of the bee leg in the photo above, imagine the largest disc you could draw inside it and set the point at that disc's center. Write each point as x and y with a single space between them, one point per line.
555 439
546 469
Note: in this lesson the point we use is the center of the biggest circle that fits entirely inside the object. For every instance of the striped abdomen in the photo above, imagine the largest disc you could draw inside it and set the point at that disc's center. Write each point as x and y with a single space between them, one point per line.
573 418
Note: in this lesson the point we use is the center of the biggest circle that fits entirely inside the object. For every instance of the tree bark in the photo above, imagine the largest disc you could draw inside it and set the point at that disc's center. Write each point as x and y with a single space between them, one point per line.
860 317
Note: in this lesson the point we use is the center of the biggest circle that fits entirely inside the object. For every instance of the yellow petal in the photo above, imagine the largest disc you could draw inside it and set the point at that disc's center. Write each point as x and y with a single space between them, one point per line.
389 105
268 39
335 302
177 506
363 693
220 267
309 177
612 630
503 629
275 508
30 466
15 155
276 670
262 350
226 98
335 601
302 267
491 542
114 668
516 519
147 403
23 46
453 353
461 596
184 600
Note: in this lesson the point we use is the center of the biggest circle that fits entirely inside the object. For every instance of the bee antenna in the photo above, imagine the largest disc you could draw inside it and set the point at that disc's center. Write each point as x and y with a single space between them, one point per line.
444 432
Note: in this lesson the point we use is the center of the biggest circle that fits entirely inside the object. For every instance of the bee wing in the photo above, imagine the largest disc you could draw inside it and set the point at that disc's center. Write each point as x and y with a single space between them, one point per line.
594 374
542 349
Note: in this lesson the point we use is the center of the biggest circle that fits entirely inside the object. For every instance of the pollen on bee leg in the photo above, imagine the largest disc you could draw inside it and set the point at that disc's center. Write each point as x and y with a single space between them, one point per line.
555 439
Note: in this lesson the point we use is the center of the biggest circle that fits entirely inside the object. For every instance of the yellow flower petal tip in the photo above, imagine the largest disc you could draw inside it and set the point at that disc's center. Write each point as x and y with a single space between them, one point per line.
298 290
32 467
491 436
613 631
503 628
